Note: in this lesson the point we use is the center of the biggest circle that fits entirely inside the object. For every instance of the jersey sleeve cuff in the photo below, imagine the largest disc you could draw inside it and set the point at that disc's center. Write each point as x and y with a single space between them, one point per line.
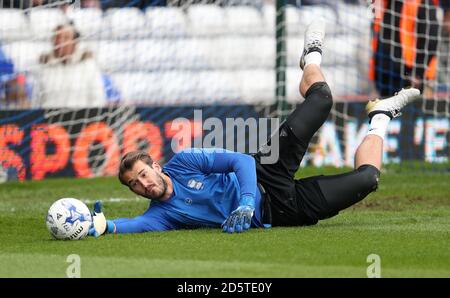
247 200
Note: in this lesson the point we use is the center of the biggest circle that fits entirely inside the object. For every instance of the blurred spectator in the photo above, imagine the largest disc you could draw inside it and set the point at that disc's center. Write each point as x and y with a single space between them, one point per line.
65 6
332 3
13 92
69 75
444 63
27 4
90 4
22 4
309 2
255 3
141 4
446 6
405 40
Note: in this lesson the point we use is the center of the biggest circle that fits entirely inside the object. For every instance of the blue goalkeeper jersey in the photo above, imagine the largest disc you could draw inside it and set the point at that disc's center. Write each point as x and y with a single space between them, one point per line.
207 187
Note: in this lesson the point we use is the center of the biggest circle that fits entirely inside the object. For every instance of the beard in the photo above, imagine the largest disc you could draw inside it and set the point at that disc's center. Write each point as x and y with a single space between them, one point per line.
161 182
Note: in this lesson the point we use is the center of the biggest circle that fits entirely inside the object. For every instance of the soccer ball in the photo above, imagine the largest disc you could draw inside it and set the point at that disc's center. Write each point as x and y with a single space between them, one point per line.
68 219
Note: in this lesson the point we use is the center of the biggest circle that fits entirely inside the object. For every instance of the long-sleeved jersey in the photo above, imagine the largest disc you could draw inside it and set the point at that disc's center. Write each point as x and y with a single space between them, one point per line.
207 187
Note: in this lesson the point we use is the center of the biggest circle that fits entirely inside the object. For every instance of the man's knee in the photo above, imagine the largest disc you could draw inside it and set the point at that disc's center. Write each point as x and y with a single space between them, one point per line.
344 190
369 177
312 113
320 94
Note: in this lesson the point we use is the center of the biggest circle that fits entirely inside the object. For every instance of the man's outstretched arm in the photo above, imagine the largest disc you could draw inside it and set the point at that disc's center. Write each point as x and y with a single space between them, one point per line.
143 223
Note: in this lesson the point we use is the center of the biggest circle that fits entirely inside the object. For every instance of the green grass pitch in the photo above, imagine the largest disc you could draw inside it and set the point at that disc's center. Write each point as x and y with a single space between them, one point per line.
406 222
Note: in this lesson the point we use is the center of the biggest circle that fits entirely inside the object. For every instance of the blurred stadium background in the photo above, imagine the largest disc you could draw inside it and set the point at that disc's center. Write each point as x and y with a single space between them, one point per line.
160 60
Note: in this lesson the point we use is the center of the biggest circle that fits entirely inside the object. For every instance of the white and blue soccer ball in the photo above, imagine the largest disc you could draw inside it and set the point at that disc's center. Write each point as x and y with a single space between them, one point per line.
69 219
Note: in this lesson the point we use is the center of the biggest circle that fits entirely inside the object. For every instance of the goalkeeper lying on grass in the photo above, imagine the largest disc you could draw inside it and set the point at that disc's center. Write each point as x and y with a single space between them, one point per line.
214 188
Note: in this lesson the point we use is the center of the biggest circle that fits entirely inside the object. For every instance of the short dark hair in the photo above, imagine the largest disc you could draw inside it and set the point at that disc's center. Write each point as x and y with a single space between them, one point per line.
71 25
129 159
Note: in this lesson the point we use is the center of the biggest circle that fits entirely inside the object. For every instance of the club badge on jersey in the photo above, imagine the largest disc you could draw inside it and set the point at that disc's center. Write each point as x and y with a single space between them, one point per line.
195 184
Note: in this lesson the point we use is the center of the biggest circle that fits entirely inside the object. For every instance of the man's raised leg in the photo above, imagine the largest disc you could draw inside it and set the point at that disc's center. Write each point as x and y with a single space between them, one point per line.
370 151
297 131
311 75
295 134
344 190
300 126
304 122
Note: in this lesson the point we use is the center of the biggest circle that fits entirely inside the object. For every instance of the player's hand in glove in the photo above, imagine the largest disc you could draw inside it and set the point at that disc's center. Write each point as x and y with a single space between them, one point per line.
241 218
99 224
